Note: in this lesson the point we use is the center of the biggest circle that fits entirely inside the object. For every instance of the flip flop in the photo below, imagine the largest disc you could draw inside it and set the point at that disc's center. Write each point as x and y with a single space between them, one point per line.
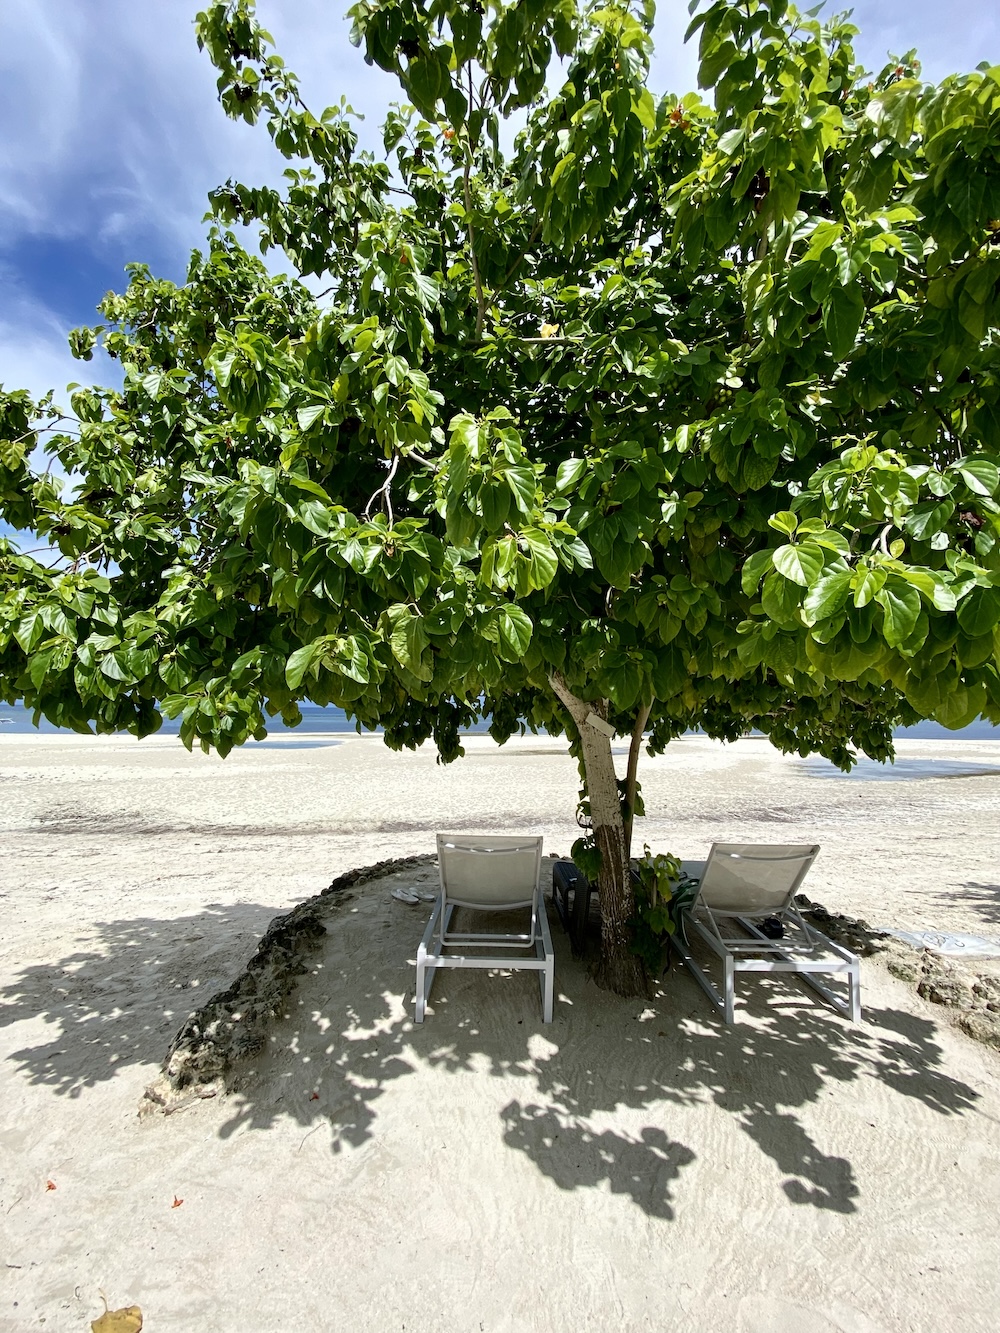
405 896
425 895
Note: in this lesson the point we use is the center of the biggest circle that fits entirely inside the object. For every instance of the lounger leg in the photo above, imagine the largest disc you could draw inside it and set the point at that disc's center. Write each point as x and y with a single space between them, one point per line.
421 964
729 1011
546 976
547 979
426 962
678 944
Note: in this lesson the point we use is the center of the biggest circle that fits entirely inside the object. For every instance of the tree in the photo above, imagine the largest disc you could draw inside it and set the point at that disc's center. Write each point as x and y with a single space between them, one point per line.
671 414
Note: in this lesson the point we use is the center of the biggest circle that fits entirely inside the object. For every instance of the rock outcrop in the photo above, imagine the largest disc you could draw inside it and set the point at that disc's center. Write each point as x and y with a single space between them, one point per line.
232 1026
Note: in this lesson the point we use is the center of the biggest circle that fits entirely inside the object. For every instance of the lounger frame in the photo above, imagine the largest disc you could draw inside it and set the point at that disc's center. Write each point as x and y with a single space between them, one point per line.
519 862
806 953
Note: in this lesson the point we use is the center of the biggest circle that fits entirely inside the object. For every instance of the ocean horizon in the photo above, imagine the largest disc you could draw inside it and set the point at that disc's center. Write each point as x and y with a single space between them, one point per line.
16 720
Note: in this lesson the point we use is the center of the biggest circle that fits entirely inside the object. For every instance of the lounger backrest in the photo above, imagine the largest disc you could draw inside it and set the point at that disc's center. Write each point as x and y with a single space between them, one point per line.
754 879
489 872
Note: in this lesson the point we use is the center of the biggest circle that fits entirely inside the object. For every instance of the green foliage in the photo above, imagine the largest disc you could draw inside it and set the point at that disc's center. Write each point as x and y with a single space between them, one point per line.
694 402
658 891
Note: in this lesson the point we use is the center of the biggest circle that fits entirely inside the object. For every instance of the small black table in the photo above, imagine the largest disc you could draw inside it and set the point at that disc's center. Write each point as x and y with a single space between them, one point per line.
568 880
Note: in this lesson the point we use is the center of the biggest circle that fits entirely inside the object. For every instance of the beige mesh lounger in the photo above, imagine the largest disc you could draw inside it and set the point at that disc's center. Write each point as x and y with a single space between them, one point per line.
487 874
745 883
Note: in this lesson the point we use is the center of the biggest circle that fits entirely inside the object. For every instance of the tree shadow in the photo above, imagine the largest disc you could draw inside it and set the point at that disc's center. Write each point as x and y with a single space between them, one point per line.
983 899
584 1122
351 1037
120 1002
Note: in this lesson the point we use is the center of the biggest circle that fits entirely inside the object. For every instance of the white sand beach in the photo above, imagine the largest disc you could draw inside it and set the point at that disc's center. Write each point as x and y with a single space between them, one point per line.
631 1166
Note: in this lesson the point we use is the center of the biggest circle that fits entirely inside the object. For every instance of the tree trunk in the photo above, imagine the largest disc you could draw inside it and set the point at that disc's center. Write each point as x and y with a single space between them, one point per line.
619 969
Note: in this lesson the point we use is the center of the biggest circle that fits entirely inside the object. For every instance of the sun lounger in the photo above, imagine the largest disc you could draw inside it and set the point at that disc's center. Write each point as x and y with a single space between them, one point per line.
487 874
750 885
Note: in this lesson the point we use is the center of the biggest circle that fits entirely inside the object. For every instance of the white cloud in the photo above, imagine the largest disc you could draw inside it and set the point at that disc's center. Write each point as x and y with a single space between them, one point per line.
34 354
950 38
111 135
111 131
121 138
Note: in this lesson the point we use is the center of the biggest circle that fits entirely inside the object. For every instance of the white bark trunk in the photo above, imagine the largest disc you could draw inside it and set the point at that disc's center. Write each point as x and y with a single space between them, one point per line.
619 969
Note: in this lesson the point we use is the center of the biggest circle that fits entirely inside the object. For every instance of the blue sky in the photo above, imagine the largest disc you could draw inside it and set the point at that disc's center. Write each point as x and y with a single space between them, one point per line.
111 138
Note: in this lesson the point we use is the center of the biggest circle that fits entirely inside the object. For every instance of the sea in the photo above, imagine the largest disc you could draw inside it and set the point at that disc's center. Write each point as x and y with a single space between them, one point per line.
323 725
16 720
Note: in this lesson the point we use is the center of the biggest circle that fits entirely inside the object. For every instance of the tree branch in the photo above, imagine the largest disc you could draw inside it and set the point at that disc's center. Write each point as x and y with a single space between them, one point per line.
641 718
480 299
385 490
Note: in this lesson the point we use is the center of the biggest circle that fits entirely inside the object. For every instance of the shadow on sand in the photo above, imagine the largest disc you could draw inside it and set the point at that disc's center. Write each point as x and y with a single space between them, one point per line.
584 1120
120 1001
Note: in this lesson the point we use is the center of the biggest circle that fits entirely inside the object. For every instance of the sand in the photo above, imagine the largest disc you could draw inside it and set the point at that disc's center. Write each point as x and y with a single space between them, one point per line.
633 1165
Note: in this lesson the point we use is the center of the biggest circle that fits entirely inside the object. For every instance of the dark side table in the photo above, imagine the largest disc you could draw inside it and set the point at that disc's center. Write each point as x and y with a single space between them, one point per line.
571 892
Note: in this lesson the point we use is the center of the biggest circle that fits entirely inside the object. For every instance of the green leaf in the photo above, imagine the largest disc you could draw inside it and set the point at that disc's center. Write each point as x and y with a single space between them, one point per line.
542 558
575 552
317 517
561 166
960 706
780 600
396 369
784 521
843 312
409 642
644 109
754 570
979 612
827 596
299 664
981 476
569 472
29 630
521 481
867 582
823 235
731 140
308 416
515 628
426 82
801 564
928 518
901 607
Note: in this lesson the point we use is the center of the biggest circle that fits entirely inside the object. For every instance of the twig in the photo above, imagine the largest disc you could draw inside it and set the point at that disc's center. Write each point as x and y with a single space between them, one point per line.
561 341
385 491
880 540
311 1132
419 458
75 565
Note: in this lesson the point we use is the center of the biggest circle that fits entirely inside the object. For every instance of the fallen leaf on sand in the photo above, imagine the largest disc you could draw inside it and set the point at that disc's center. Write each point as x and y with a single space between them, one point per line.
177 1202
314 1096
126 1320
50 1184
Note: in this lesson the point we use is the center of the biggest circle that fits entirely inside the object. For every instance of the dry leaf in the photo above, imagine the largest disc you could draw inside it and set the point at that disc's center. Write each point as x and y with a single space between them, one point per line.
177 1202
50 1184
126 1320
314 1096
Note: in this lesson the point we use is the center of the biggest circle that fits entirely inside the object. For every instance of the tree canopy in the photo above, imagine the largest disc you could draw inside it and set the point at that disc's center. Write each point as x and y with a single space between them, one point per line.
660 412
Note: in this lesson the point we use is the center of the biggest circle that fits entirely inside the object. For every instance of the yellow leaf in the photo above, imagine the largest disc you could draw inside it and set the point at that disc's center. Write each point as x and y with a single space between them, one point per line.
126 1320
550 330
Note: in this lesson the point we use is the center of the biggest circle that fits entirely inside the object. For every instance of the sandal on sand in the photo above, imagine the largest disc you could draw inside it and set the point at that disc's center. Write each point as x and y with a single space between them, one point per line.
405 896
425 895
